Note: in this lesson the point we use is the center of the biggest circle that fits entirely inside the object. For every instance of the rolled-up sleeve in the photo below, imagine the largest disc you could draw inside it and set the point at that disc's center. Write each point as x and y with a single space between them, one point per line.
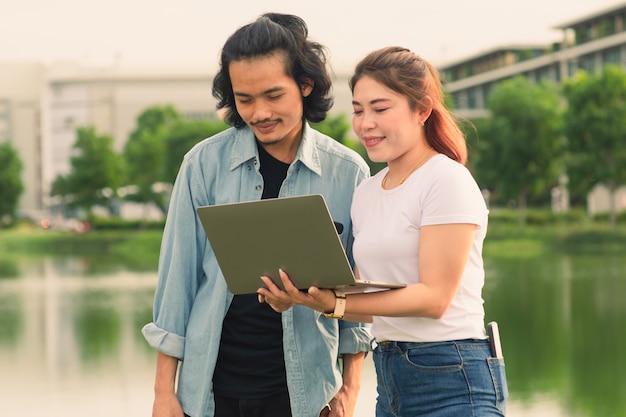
165 342
354 338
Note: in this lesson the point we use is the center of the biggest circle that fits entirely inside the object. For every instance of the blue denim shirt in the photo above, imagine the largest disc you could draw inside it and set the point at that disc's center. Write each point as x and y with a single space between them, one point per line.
192 298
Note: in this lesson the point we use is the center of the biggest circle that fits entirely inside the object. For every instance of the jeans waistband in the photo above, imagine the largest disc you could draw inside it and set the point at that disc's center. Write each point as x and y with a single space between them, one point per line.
391 344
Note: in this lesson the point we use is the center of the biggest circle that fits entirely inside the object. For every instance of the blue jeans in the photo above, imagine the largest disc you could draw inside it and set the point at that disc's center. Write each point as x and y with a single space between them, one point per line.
439 379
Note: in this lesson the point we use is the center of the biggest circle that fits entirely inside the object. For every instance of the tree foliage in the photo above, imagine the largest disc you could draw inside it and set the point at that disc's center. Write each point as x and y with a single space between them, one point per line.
96 169
11 186
595 125
181 137
145 156
337 127
522 145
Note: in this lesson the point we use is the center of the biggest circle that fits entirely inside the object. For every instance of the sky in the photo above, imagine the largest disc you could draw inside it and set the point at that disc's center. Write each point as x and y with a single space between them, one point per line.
190 33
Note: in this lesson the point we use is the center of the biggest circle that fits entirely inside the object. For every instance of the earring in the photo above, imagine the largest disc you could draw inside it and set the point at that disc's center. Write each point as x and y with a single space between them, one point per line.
421 123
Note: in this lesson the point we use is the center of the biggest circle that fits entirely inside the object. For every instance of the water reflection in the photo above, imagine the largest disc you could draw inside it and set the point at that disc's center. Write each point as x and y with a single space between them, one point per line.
71 345
562 334
70 341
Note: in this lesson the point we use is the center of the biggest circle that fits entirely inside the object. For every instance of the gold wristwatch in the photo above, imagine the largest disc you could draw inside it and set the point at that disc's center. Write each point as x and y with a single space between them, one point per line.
340 305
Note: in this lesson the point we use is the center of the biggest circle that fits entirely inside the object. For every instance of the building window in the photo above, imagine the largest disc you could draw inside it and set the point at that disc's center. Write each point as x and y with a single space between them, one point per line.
587 63
4 129
57 91
198 115
487 89
611 56
68 123
544 73
619 23
473 98
606 27
584 33
448 76
4 120
460 100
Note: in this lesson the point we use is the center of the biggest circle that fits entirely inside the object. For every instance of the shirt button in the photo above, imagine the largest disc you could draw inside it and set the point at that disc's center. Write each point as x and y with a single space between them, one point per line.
258 187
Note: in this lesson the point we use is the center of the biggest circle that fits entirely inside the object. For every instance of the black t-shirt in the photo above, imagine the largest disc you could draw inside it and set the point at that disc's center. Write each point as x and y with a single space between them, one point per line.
250 363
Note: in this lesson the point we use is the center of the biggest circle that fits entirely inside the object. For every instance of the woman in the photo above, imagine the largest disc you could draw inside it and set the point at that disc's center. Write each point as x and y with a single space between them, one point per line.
420 221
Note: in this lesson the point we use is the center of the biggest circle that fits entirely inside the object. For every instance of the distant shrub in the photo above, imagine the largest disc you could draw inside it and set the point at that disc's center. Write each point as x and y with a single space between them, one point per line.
113 223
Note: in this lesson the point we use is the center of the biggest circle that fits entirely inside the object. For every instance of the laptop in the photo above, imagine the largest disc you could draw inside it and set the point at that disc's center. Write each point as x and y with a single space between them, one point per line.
296 234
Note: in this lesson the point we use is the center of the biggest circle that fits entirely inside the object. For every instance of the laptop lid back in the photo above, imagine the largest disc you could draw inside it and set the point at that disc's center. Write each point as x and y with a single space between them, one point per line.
257 238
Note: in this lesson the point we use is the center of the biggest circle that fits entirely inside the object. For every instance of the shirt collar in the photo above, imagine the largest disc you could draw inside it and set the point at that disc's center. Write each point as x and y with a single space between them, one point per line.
308 153
245 149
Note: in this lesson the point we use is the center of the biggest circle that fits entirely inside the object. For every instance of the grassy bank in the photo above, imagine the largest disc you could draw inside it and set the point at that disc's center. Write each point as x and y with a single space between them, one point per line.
504 239
132 247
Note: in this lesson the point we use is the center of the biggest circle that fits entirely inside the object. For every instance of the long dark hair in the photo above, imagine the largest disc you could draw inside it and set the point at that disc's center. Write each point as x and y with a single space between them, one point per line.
306 62
408 74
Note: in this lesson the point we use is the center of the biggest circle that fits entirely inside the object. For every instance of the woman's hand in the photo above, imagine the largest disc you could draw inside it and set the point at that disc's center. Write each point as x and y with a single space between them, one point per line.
279 300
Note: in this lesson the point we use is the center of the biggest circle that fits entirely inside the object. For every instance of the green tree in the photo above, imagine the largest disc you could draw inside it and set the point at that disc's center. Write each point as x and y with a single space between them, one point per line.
145 156
595 126
181 136
337 127
11 186
522 145
96 172
476 147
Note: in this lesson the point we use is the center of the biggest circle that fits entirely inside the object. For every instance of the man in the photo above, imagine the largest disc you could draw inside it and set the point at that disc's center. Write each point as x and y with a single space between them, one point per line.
239 357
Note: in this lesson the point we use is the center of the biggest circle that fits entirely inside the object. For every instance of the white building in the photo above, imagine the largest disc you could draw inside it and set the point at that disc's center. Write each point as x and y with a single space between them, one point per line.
21 106
588 43
601 200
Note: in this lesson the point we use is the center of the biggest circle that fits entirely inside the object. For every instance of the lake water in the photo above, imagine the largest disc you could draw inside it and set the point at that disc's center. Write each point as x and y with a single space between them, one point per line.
71 345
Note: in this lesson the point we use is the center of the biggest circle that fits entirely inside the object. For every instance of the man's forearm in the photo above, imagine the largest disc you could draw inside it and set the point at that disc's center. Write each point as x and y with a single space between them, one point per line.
165 373
352 370
344 402
166 402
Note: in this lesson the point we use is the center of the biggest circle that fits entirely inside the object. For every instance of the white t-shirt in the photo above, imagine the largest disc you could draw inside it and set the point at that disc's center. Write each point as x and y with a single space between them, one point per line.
387 237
